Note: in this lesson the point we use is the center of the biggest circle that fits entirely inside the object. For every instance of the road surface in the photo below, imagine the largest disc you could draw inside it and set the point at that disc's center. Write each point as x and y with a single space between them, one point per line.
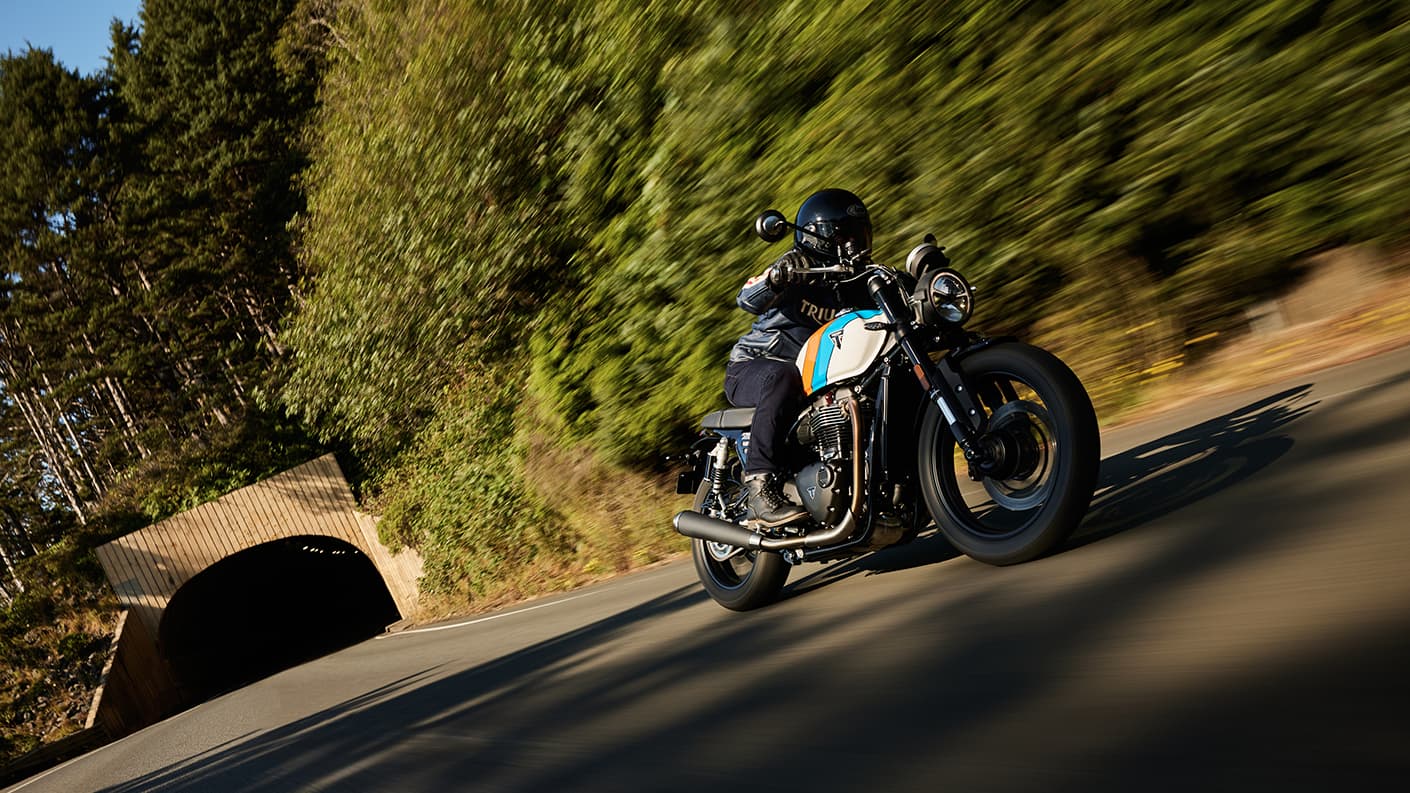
1234 615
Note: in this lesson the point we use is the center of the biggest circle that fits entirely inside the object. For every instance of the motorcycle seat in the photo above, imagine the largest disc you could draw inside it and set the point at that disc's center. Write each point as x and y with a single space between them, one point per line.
729 419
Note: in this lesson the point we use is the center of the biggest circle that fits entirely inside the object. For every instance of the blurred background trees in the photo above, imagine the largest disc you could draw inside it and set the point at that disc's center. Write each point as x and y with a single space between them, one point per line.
488 250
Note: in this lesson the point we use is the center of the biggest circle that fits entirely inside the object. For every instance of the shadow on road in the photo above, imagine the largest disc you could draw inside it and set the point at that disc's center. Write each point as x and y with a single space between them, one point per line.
1159 477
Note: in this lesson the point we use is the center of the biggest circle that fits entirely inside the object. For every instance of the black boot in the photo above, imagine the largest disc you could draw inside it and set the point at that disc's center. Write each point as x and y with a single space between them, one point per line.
767 505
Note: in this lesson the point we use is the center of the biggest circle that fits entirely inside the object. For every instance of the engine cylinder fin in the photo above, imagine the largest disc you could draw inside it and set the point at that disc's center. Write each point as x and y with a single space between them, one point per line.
829 427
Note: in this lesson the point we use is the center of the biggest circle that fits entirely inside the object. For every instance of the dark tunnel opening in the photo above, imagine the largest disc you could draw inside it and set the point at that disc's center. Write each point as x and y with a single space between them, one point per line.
269 608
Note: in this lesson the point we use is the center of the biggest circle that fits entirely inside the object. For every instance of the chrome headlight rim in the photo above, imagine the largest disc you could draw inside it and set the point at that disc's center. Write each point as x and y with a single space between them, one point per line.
950 296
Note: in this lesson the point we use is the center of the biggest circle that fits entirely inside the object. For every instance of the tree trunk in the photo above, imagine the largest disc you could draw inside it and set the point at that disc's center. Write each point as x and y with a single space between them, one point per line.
58 466
119 400
77 447
264 326
12 585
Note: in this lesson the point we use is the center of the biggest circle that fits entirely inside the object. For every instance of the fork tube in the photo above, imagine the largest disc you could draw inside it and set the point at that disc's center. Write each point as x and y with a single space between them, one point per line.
937 388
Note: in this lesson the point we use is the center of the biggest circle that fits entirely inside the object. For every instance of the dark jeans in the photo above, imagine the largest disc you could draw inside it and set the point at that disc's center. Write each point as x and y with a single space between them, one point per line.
774 389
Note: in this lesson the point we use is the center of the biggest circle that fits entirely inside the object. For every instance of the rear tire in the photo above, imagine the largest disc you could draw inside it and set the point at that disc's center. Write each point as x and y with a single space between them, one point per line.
1044 417
738 579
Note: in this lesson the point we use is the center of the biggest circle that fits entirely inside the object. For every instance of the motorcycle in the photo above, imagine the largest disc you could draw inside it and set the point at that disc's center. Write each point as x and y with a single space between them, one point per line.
909 417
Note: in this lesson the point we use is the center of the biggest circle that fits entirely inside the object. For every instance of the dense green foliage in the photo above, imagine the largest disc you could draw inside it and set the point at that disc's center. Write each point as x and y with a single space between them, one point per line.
489 249
585 184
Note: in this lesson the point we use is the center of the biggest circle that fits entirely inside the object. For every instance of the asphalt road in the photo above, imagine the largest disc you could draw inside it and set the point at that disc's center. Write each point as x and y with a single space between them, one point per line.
1234 615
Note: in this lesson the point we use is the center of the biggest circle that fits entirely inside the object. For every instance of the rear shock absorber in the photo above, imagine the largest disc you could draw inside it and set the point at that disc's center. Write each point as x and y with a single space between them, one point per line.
719 460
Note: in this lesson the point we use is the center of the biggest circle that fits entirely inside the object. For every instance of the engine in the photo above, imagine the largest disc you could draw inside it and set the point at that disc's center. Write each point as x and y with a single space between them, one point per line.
826 427
825 486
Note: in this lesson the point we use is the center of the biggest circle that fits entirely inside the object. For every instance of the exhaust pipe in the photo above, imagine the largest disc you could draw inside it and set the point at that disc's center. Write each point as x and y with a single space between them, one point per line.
703 527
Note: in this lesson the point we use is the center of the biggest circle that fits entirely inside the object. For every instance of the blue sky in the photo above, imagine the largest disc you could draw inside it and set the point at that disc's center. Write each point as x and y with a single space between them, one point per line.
76 30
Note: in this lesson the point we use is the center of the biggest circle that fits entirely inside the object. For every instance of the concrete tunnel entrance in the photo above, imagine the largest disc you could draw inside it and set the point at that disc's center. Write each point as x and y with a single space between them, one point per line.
268 608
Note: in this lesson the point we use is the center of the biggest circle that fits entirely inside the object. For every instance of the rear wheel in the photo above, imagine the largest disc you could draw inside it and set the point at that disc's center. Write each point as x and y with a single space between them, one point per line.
1046 451
739 579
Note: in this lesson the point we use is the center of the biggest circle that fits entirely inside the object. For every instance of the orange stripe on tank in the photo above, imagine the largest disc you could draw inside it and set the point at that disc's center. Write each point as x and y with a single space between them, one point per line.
810 359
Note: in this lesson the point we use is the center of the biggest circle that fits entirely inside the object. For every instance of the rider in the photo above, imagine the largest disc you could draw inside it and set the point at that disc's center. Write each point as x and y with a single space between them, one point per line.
832 224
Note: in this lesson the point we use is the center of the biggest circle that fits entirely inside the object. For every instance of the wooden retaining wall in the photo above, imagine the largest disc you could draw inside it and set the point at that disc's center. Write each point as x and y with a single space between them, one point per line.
137 687
146 567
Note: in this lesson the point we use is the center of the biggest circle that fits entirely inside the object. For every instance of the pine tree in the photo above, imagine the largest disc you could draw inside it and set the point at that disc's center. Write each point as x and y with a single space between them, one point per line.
216 124
48 372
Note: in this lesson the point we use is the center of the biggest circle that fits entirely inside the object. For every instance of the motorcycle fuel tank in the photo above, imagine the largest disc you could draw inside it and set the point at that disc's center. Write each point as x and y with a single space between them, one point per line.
841 349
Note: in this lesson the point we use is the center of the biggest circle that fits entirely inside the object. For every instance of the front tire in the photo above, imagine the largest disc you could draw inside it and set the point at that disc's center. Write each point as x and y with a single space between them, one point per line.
738 579
1042 421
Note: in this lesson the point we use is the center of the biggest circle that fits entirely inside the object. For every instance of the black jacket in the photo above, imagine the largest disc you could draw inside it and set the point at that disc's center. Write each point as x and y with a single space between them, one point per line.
786 319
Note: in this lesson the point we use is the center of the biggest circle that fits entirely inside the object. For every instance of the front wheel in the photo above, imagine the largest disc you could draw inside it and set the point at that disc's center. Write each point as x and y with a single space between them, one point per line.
739 579
1045 449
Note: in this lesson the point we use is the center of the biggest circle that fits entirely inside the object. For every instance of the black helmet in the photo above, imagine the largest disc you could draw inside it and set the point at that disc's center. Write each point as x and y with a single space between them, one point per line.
840 218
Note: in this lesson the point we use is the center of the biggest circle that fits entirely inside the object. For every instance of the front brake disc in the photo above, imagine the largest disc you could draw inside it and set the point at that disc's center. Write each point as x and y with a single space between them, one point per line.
1029 426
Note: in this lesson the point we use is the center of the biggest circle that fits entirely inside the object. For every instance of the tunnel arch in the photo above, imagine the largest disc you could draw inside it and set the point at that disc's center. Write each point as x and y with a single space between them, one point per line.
310 503
148 566
270 607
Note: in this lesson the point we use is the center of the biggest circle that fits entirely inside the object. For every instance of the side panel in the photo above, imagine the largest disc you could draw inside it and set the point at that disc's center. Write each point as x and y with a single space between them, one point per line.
841 349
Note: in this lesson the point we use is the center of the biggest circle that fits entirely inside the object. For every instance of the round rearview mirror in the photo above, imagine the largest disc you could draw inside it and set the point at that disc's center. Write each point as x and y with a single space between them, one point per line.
771 226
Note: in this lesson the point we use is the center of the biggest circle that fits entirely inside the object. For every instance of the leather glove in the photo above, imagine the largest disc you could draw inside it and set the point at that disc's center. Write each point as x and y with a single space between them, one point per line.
784 272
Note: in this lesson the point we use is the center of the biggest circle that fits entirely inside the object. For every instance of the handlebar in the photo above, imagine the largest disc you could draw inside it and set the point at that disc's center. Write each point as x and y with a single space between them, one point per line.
832 268
854 265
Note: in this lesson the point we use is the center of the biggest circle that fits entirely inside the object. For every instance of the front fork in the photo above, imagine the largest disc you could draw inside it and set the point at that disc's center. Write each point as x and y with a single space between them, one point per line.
943 382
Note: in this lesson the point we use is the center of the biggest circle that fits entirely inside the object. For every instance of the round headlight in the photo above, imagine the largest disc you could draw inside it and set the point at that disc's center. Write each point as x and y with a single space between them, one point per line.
951 296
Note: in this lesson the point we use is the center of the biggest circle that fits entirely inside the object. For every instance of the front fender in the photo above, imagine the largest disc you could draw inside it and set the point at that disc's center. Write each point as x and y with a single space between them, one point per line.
979 343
